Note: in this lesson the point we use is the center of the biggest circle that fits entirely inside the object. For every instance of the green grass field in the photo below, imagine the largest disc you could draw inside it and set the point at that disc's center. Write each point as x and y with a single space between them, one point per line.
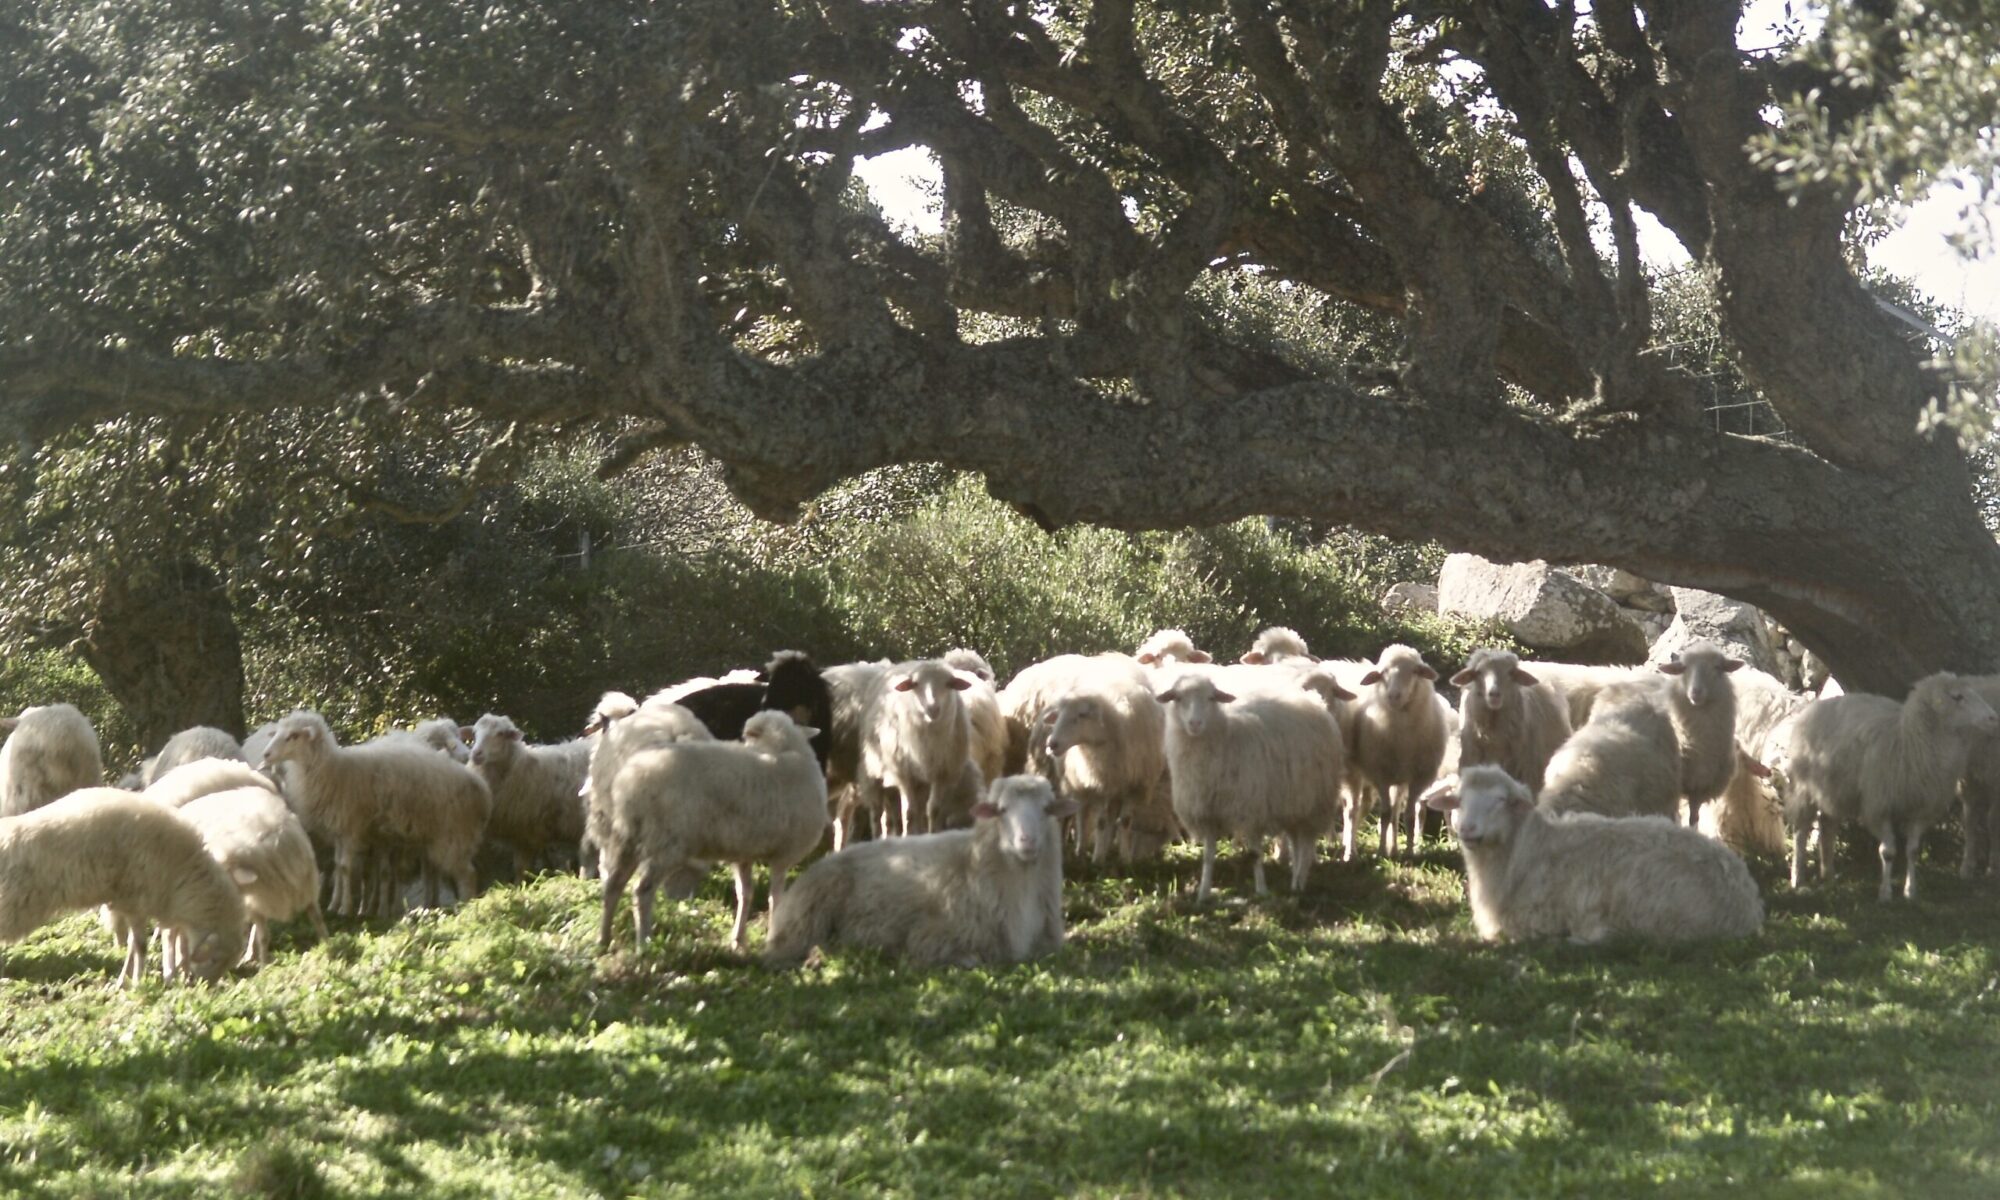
1358 1041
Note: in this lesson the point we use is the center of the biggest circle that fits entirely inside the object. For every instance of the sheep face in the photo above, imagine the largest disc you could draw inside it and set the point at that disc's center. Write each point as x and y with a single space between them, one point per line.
1953 704
300 737
1493 675
611 706
1400 672
211 952
1486 805
1197 703
1026 810
1320 681
934 687
1698 672
495 740
1076 721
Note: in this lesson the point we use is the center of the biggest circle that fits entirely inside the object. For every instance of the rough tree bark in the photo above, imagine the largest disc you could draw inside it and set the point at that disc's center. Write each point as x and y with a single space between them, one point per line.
1528 416
167 648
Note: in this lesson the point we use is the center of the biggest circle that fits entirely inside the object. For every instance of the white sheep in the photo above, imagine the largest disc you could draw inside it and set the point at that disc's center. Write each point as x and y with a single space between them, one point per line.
1702 703
104 846
1275 645
441 734
1891 768
854 687
992 893
50 751
193 780
1624 762
982 705
1979 791
1166 649
1106 734
1585 877
1266 765
1748 815
190 745
259 739
675 809
264 848
618 726
1508 717
537 790
385 791
1395 733
916 744
1577 684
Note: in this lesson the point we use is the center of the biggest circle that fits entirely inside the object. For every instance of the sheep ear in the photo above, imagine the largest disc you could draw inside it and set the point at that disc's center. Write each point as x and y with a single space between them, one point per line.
985 810
512 735
1341 693
1520 799
1254 658
1168 696
1441 796
800 714
1371 678
1061 807
1672 667
1427 672
1524 679
809 731
904 684
961 680
467 733
1757 769
1223 698
1462 678
244 876
8 723
1148 658
763 676
1731 664
1199 656
1049 716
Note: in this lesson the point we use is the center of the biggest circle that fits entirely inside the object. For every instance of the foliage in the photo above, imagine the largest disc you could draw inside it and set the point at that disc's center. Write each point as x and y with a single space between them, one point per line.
52 677
1356 1039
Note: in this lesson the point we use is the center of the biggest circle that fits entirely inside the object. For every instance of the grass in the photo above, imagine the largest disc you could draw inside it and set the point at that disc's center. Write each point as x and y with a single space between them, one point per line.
1358 1040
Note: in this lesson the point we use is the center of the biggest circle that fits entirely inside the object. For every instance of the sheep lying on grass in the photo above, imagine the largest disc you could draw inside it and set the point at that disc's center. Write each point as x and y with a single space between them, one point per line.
1586 877
103 846
992 893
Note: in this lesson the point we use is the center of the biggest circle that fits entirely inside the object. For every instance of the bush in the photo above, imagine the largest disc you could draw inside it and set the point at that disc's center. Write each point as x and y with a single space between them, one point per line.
53 677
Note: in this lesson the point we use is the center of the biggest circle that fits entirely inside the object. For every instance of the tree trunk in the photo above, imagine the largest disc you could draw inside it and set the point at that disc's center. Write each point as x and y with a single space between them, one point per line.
167 648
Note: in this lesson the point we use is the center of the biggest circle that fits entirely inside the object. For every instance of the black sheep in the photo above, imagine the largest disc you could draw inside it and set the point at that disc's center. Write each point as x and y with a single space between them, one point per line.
789 683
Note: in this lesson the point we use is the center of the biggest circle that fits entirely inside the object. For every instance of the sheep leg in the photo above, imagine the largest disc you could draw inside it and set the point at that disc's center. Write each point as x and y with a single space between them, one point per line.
1207 870
1886 835
464 880
746 891
319 921
616 876
1913 846
1976 848
1799 837
1823 838
1694 813
1304 847
1403 794
135 955
645 892
1103 829
1349 810
1385 824
342 900
1257 865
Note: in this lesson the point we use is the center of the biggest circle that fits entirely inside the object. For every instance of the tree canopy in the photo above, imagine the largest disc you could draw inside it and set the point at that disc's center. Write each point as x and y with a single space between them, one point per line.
647 212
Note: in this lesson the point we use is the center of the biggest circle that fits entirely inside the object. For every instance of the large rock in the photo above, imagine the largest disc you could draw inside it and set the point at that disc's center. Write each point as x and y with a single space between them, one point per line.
1543 607
1627 589
1731 624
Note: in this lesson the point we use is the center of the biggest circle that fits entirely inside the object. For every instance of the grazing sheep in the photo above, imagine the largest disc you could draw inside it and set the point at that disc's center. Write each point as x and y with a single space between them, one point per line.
621 725
916 743
676 808
190 745
1275 645
1702 705
982 704
789 683
191 781
1266 765
537 790
264 848
50 751
1395 735
1624 762
1508 717
1588 878
992 893
103 846
1892 768
384 791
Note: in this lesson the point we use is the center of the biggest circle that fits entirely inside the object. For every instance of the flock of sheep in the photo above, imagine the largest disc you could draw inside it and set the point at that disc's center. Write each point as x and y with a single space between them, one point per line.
950 801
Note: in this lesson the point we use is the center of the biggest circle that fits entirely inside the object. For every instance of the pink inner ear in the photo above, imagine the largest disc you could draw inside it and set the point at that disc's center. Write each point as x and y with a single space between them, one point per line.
1223 697
1524 679
985 810
1671 668
1428 673
1371 677
1148 659
1167 697
1341 693
1254 657
1731 664
1062 807
905 683
1756 768
959 683
1462 678
1198 656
